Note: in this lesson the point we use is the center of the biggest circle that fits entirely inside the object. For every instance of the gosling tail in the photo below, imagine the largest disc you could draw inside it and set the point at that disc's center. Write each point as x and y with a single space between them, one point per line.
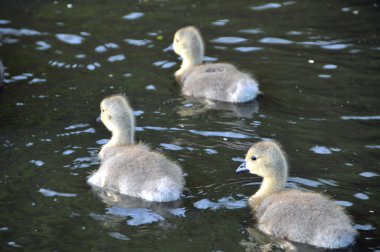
335 237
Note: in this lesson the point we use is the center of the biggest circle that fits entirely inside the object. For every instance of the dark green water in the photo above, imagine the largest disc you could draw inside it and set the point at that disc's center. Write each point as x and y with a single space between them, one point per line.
318 63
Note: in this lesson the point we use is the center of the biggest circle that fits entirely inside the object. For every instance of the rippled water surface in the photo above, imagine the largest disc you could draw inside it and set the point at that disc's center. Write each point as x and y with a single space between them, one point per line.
318 64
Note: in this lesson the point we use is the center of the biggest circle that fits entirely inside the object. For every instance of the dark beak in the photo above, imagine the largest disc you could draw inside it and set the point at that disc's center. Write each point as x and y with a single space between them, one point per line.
242 168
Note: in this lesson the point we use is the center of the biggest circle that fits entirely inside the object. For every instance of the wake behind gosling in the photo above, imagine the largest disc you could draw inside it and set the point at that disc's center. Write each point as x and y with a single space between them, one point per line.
304 217
133 169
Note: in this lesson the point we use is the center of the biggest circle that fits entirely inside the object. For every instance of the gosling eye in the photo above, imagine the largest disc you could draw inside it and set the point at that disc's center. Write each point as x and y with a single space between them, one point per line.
254 158
102 110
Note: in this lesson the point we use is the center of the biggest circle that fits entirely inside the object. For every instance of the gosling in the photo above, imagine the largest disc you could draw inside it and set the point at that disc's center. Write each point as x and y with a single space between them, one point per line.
304 217
133 169
219 81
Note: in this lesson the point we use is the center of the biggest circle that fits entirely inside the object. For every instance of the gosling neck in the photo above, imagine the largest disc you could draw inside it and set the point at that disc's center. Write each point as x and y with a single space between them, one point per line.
123 131
271 185
121 137
188 61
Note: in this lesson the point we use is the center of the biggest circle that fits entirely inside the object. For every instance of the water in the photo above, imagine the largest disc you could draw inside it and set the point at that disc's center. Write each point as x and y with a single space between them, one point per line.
318 64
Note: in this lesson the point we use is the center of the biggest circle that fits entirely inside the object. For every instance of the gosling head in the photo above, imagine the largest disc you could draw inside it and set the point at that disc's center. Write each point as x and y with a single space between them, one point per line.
188 44
117 115
265 159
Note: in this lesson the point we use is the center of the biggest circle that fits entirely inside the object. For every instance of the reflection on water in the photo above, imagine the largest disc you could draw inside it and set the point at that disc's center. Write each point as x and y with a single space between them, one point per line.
317 62
136 211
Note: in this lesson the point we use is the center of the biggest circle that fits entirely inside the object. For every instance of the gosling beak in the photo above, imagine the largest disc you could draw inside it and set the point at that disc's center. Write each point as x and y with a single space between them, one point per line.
242 168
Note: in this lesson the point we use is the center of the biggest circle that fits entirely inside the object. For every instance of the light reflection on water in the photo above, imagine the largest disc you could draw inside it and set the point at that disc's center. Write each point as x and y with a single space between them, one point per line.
320 101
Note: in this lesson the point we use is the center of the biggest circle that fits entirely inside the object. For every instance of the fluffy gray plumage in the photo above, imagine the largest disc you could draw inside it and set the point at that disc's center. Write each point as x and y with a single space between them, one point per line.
133 169
304 217
220 81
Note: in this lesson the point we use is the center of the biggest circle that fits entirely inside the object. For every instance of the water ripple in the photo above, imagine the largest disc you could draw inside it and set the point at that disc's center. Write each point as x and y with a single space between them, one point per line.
119 57
248 49
229 40
252 31
364 118
226 203
139 216
133 15
219 134
20 32
42 45
272 40
138 42
221 22
267 6
71 39
50 193
3 21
